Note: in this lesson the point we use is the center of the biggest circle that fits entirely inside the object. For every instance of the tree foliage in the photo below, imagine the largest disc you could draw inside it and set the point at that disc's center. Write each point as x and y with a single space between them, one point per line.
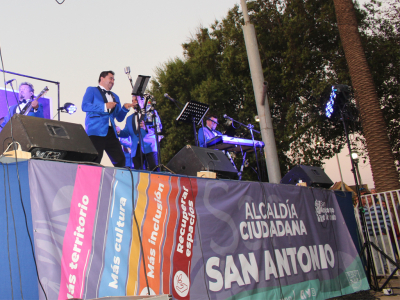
382 47
301 54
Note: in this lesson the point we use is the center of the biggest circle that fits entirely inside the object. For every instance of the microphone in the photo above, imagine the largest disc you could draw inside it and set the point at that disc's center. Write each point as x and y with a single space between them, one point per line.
9 81
128 72
227 117
168 97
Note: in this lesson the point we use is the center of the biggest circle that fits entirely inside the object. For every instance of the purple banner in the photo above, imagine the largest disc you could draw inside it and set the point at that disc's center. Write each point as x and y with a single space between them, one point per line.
240 239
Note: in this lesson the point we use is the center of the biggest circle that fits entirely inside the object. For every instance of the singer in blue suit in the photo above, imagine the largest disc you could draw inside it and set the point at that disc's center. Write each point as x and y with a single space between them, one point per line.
26 93
148 149
102 107
208 132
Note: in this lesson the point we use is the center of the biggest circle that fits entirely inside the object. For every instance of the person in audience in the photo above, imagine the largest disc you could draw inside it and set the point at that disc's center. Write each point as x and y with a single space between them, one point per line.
378 228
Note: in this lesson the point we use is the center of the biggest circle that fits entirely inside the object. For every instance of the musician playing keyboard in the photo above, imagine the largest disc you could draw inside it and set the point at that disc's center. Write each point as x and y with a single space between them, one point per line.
208 132
26 94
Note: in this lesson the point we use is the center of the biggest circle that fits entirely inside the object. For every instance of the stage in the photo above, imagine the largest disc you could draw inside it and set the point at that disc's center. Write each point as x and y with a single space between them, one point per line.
201 238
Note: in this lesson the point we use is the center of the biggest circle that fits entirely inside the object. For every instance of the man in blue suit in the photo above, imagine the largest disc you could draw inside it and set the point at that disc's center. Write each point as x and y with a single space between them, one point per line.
208 132
26 93
148 149
103 106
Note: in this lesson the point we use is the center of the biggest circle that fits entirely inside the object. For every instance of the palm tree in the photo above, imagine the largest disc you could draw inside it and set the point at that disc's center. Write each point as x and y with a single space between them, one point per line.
384 172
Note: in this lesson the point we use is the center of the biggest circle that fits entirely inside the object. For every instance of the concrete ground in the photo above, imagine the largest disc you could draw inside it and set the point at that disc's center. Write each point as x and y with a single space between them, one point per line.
394 284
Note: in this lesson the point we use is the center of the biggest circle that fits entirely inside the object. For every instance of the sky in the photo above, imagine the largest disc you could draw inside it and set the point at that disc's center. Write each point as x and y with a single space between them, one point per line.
73 42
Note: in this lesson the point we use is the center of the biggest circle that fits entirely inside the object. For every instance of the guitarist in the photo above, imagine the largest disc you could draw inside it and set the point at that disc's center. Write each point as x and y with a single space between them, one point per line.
26 94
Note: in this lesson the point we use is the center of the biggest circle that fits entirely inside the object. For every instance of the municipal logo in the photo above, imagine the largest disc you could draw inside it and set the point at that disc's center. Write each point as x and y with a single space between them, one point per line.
354 279
181 284
323 212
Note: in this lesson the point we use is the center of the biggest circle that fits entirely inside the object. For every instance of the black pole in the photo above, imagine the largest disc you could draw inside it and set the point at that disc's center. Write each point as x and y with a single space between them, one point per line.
155 124
59 104
367 244
250 127
140 137
196 140
358 172
204 135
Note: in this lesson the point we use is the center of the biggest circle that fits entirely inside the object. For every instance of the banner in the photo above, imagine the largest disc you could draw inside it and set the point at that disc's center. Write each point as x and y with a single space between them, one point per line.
266 240
78 234
189 237
114 275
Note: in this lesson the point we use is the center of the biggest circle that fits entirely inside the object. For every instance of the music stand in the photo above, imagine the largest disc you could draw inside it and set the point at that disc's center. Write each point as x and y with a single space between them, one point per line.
138 90
140 85
193 112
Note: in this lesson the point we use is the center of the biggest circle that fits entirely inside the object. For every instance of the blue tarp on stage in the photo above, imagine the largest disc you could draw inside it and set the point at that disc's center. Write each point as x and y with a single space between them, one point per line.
18 276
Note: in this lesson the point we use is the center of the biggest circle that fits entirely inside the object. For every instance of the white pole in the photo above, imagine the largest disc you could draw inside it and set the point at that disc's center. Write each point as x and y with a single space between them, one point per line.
257 77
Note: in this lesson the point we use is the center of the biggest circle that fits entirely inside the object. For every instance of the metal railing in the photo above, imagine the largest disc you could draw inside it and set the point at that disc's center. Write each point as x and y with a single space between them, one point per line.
382 210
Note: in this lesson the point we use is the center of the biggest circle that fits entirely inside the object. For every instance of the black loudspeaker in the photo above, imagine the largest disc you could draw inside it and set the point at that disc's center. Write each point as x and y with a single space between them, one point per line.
190 160
313 176
48 139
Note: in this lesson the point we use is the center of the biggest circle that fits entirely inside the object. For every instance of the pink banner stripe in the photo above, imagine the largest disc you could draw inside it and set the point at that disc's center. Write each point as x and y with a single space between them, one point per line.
78 235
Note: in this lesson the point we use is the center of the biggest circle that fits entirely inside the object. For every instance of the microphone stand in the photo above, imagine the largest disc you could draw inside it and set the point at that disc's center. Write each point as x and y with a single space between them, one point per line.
204 136
250 127
155 126
194 130
368 244
178 104
138 109
128 73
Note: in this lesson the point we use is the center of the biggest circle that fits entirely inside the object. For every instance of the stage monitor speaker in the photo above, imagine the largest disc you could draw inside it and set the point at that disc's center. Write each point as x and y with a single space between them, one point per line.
313 176
48 139
190 160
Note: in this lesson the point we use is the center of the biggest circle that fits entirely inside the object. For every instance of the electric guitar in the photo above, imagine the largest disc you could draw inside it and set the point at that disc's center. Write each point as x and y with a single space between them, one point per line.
28 107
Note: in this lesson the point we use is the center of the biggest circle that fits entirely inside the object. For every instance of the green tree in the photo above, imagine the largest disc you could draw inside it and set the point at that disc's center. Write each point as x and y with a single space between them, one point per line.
382 41
301 54
383 170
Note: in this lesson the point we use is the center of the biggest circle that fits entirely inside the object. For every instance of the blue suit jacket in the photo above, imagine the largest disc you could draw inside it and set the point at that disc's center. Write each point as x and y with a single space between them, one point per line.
96 121
38 114
148 137
208 135
127 143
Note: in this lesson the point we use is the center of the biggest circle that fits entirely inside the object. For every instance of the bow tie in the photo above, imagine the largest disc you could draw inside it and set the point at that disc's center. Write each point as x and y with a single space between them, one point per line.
107 92
23 101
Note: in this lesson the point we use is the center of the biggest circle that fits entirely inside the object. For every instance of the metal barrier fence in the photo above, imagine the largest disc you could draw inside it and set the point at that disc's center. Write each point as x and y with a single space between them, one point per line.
382 213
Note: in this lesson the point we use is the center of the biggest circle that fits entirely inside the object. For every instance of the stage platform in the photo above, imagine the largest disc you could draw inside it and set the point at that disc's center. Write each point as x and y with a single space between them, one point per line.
201 238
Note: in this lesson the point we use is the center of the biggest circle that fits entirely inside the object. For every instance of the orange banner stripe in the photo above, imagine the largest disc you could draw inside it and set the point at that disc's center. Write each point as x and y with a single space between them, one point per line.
153 231
134 256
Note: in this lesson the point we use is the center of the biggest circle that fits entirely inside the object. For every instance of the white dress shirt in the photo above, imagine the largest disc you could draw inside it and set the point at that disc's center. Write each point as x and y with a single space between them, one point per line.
20 107
109 99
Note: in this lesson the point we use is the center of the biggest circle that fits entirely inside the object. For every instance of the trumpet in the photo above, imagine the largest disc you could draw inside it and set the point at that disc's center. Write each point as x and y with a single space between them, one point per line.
148 109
